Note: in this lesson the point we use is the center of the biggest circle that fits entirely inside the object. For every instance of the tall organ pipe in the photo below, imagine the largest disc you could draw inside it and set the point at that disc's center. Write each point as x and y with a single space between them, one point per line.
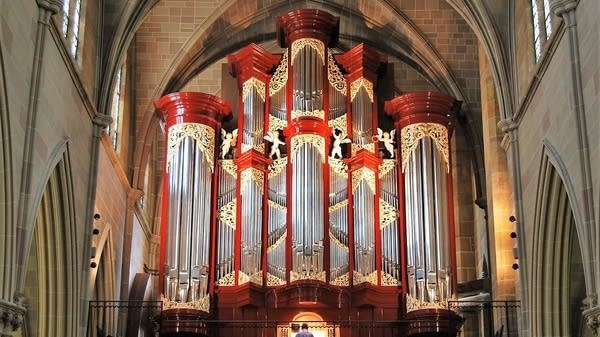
192 121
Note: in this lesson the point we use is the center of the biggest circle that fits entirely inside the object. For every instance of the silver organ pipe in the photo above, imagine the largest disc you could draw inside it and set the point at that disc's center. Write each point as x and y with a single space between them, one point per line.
307 80
254 107
364 236
307 210
427 229
226 231
189 223
362 118
390 233
251 212
277 228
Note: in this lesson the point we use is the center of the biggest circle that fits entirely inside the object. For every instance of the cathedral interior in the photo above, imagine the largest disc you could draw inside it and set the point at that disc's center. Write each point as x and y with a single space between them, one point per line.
244 167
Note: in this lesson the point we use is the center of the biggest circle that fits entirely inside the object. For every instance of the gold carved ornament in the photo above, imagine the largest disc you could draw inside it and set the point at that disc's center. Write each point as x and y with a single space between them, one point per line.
227 214
227 280
273 280
277 166
359 278
243 277
315 44
388 214
364 83
363 174
202 134
277 243
317 141
315 113
319 276
203 304
339 123
338 166
280 77
416 304
386 166
254 175
338 206
388 280
341 281
255 83
276 206
334 75
412 134
229 167
247 147
276 123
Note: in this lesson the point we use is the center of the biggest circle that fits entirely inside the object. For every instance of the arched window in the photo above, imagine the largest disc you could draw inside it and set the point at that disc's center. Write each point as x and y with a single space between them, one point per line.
114 130
71 11
542 25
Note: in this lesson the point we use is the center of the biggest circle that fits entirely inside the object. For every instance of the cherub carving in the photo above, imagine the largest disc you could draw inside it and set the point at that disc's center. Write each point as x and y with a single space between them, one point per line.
228 141
387 138
273 138
338 140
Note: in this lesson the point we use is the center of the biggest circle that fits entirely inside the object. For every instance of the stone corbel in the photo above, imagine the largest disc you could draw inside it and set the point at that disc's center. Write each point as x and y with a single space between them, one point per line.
11 317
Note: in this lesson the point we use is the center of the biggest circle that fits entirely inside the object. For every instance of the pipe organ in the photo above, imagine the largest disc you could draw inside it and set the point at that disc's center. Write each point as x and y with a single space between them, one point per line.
310 192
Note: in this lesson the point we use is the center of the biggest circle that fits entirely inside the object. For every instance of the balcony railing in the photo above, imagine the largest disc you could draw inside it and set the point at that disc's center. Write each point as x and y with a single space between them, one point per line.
139 319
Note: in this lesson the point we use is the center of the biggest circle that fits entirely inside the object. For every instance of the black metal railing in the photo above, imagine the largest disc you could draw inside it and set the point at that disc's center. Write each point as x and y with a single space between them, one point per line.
139 318
123 318
488 318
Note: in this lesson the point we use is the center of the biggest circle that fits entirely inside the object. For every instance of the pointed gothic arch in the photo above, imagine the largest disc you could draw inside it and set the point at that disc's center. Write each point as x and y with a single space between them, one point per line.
559 280
49 283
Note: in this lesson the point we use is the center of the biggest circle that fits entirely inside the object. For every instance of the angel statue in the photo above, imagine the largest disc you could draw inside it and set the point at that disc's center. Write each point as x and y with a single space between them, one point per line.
273 137
228 141
338 140
387 138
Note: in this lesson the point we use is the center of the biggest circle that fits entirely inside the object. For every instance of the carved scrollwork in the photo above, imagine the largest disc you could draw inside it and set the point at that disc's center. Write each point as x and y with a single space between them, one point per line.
277 243
338 206
227 214
359 278
227 280
357 84
273 280
243 278
387 214
276 123
202 134
255 83
342 281
386 166
416 304
314 140
334 75
338 166
254 175
315 44
280 77
411 135
363 174
277 166
388 280
319 276
340 124
276 206
315 113
202 304
229 167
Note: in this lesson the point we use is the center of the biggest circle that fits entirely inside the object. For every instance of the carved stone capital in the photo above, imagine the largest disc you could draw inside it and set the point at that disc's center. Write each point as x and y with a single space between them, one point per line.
52 6
560 7
11 317
592 318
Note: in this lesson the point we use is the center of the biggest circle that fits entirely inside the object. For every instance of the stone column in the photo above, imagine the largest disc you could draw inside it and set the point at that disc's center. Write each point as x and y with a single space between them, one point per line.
566 9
